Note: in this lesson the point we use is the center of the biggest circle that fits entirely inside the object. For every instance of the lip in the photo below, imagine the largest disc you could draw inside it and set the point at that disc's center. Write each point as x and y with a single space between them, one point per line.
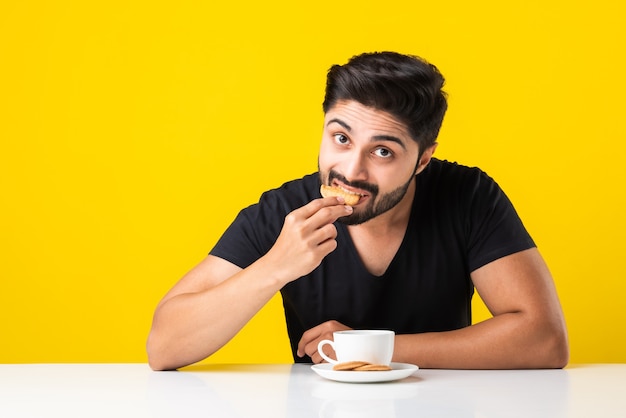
361 193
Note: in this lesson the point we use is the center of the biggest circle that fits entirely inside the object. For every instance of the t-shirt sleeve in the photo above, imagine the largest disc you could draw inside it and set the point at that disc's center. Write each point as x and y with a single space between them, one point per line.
253 232
493 227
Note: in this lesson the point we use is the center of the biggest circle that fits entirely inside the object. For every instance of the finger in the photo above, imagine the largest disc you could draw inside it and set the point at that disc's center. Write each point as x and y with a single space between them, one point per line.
308 344
316 357
324 234
309 335
315 205
307 220
315 229
327 215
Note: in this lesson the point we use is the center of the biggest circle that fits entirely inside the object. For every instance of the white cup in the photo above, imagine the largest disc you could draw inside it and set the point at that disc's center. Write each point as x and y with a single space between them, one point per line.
372 346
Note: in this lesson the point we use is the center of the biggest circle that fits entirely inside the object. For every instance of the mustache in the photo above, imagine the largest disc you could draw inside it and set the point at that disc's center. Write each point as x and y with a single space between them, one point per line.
372 188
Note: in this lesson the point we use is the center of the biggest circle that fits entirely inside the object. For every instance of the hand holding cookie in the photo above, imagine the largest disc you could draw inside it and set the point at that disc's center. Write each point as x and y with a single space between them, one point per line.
308 235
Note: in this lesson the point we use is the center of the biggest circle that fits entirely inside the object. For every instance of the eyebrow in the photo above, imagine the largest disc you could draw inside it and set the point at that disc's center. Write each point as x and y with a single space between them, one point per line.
390 138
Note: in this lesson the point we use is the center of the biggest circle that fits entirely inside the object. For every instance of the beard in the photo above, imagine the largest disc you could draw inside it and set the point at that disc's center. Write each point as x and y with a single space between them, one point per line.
377 205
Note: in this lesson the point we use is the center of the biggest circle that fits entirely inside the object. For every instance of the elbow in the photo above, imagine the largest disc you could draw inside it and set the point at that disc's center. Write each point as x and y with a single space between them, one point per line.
157 358
155 361
157 364
164 355
560 353
556 349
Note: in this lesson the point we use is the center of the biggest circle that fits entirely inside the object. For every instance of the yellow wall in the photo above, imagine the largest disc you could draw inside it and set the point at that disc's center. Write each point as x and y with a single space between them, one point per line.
131 134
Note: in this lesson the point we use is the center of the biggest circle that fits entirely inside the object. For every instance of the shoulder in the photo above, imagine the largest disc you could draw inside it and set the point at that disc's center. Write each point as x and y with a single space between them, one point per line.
278 202
447 170
450 179
292 194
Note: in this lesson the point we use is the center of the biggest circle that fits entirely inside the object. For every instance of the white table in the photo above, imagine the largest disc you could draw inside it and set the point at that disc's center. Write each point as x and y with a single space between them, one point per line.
133 390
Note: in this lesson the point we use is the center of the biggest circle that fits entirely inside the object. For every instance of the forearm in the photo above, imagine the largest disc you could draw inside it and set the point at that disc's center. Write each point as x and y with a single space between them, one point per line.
191 326
507 341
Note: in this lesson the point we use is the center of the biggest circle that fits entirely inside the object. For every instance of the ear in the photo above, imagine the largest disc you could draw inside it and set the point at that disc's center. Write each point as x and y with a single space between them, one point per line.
425 158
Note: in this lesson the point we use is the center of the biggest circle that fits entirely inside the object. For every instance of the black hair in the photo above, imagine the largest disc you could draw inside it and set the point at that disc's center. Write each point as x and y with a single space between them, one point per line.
405 86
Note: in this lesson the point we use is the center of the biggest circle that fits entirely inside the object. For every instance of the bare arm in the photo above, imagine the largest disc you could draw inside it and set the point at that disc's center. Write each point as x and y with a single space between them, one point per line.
527 329
196 317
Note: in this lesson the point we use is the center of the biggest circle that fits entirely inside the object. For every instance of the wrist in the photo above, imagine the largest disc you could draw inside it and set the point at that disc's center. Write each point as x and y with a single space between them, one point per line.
273 273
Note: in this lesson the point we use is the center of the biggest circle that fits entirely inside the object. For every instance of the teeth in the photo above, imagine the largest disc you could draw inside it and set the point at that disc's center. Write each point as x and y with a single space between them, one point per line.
349 192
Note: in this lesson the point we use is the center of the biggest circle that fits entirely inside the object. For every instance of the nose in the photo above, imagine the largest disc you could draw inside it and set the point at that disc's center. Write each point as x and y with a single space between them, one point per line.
355 167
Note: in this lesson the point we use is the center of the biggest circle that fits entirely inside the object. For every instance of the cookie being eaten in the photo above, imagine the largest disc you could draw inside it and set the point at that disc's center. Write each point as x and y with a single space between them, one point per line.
351 199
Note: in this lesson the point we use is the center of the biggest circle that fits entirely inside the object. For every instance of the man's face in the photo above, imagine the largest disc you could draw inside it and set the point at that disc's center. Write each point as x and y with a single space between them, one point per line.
368 152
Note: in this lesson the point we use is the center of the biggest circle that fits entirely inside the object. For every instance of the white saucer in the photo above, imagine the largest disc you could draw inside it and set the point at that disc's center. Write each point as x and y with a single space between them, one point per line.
398 371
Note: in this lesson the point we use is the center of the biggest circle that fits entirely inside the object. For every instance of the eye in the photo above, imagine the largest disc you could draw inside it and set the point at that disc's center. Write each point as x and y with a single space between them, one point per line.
383 153
341 139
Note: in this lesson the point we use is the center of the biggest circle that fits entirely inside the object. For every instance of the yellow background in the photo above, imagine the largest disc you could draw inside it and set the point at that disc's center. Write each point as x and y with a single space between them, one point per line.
133 132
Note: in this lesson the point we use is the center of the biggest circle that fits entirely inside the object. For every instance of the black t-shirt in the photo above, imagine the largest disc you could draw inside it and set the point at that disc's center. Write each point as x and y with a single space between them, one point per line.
460 221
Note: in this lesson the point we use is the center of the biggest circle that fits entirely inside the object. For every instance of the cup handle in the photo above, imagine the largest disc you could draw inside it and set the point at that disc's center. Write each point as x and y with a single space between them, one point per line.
321 352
